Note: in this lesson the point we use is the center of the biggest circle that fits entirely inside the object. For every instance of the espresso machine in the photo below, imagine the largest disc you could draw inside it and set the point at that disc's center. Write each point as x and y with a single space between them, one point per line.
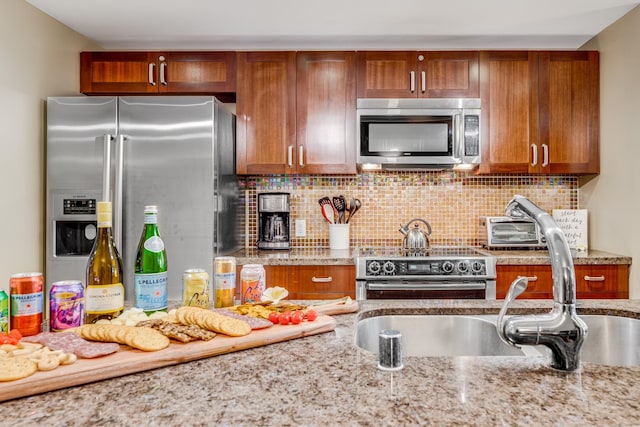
273 221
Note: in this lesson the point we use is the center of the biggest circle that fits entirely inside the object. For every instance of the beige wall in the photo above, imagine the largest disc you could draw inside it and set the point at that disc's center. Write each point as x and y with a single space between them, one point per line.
613 198
39 59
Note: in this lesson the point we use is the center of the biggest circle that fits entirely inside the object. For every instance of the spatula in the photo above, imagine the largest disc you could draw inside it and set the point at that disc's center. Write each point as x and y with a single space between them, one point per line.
340 204
327 209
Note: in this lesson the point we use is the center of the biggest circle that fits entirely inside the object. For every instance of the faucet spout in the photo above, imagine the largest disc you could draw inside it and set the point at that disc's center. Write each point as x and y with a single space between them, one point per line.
561 330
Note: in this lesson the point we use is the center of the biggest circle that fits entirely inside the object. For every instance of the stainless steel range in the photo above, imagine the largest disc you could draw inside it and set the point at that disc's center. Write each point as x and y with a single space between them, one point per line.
438 273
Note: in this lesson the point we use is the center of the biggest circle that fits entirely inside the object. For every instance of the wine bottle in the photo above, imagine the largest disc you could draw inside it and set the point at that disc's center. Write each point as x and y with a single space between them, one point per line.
104 296
150 273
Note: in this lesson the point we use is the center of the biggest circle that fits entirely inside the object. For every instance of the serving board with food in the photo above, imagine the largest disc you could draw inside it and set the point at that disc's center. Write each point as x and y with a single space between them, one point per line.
51 361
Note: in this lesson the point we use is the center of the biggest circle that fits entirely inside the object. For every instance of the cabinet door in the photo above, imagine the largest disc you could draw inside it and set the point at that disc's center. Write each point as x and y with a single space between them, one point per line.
387 74
326 107
540 284
448 75
197 72
509 94
602 281
266 112
112 73
569 112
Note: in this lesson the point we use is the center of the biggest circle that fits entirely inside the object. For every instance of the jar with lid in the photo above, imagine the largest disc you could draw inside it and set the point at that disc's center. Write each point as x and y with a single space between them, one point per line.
253 279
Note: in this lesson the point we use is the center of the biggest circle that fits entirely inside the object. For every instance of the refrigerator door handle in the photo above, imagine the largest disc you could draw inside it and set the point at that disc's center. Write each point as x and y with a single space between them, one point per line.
117 202
106 165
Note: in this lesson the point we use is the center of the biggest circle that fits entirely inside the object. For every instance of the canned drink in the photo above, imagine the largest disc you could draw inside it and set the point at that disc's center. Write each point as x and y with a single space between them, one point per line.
195 288
224 281
253 281
66 305
4 311
26 291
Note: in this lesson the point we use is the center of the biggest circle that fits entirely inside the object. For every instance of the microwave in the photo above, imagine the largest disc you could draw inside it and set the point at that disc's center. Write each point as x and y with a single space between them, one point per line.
418 133
506 232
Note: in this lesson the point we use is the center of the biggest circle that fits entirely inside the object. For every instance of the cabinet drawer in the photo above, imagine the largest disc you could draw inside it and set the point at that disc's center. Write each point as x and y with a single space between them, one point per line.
602 281
540 284
313 281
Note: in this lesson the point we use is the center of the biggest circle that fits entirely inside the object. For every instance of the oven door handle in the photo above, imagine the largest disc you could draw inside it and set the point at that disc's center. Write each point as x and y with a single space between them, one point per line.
425 286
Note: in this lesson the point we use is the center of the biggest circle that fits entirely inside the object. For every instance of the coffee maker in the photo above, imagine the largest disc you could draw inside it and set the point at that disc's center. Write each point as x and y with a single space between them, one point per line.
273 221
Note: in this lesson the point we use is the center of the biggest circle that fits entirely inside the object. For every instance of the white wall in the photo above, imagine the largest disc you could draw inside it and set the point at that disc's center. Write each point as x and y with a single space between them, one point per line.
40 58
613 198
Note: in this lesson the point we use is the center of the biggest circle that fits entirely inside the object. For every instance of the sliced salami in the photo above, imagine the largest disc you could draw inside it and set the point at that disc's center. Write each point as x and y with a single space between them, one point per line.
72 343
254 322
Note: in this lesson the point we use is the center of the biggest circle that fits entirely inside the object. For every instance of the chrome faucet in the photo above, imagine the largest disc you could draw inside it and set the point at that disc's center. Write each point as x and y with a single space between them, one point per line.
561 330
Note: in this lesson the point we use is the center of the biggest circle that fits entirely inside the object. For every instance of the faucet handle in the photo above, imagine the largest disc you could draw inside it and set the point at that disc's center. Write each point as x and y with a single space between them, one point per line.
517 287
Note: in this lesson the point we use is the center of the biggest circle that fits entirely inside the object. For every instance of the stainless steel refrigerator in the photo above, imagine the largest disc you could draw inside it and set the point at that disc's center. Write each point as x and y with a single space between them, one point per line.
174 152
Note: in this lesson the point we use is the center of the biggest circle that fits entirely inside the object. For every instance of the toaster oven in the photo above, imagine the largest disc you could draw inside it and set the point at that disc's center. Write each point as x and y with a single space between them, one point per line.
505 232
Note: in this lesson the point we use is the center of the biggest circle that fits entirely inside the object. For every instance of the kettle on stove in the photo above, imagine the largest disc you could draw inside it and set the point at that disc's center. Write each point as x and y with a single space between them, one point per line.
415 239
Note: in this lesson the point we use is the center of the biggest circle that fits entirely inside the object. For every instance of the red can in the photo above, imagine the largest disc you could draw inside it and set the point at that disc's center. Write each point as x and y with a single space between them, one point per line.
66 305
27 301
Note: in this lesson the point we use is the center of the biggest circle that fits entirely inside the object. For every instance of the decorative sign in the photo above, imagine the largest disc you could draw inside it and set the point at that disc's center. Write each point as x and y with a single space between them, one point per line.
573 222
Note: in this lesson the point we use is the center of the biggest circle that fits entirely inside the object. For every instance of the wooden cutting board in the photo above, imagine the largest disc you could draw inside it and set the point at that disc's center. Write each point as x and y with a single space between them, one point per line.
129 361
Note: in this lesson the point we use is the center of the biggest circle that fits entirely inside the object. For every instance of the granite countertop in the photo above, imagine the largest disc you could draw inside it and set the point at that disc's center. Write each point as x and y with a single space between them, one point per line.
324 256
324 380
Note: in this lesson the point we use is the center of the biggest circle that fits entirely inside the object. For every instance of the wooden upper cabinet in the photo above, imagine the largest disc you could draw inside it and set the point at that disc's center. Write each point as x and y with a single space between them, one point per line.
115 73
569 112
540 112
418 74
326 109
266 112
509 96
296 113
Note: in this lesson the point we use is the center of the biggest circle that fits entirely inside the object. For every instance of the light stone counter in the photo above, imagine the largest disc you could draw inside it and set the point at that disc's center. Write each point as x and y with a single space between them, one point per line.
324 380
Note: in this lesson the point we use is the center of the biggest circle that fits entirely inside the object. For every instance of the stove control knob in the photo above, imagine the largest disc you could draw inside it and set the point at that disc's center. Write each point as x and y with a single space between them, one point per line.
389 267
477 266
374 267
463 266
447 266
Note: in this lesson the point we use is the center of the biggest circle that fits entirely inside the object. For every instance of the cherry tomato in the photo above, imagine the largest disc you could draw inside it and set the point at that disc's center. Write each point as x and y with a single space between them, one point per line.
284 318
274 318
311 315
16 334
297 317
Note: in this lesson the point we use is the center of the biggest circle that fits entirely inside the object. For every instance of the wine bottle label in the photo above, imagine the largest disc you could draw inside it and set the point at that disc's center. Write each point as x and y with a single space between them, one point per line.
154 244
151 291
104 299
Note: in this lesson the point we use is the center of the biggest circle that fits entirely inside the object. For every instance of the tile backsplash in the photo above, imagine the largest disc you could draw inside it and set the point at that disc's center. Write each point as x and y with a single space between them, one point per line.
451 202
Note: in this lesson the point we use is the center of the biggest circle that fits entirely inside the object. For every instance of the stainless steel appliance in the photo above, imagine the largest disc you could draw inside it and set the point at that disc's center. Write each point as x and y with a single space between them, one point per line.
505 232
443 272
173 152
273 221
418 133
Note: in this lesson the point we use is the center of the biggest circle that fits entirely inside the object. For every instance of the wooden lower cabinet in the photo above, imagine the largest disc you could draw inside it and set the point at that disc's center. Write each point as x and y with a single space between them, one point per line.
313 281
604 281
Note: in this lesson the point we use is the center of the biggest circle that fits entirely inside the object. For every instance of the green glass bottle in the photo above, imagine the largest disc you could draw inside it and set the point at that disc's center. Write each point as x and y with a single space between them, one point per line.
150 274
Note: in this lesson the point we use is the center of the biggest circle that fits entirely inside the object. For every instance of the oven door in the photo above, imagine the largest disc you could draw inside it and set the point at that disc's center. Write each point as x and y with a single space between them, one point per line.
425 290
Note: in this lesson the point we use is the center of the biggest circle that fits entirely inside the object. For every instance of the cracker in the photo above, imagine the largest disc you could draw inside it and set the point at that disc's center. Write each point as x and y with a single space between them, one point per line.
148 339
234 327
15 368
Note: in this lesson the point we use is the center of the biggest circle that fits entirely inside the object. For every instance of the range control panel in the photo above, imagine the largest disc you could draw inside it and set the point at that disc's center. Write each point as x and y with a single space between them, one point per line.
452 267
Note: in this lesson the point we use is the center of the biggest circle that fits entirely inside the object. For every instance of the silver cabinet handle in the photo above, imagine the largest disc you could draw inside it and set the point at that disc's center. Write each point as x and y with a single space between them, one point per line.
290 156
322 279
424 81
534 154
412 76
529 278
301 156
163 72
545 155
594 278
152 72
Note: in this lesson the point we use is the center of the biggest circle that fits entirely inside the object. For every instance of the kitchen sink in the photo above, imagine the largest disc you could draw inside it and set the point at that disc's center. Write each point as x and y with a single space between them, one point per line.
611 340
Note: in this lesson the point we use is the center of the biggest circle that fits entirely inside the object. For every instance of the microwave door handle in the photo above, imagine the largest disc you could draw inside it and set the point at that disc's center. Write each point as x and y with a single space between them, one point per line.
457 137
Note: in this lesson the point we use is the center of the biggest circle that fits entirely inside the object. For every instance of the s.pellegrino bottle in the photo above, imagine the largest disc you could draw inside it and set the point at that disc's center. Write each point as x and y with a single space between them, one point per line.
150 274
104 296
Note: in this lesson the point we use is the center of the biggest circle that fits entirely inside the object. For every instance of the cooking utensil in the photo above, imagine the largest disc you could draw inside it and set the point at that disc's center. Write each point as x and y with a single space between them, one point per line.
340 204
327 209
357 204
351 208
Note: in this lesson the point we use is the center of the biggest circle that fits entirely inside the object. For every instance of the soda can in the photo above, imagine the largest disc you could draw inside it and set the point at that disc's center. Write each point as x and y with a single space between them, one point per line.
224 281
252 277
66 305
26 292
4 311
195 288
